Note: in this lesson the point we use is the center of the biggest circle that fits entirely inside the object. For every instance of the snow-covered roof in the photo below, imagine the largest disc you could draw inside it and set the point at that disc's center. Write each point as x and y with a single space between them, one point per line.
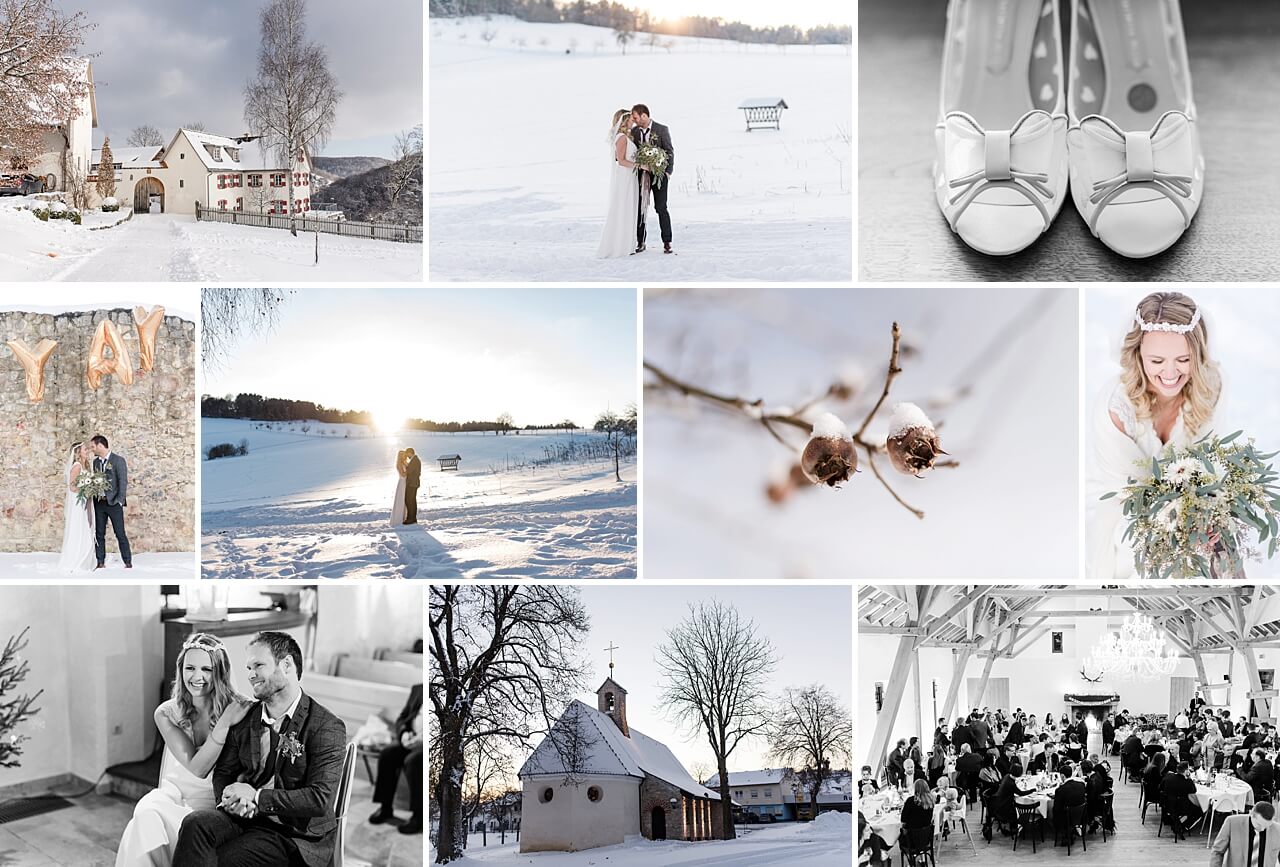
227 154
133 158
765 777
607 752
763 102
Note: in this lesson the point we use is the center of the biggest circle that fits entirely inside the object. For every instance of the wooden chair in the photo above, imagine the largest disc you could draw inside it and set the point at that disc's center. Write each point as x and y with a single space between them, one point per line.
1076 821
1030 820
1107 812
1170 817
918 847
1214 812
342 803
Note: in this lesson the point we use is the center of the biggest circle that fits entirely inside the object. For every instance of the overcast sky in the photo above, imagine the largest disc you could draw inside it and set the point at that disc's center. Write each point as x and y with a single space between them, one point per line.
447 354
177 300
758 13
168 63
810 628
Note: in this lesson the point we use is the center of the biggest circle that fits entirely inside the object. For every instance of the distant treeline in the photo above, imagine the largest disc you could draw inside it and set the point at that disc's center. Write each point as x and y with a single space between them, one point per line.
619 17
255 407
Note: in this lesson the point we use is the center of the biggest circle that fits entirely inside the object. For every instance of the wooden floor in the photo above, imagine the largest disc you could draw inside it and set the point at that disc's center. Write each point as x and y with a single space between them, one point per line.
1133 845
1233 45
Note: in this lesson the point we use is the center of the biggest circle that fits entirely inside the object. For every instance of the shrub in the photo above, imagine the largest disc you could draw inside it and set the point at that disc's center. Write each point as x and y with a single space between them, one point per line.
226 450
110 205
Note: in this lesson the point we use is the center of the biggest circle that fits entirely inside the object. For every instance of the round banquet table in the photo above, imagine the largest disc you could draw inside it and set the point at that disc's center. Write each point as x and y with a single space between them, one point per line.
1226 795
1042 800
888 822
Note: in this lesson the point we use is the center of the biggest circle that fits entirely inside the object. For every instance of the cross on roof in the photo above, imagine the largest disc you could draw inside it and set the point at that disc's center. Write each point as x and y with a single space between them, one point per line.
611 648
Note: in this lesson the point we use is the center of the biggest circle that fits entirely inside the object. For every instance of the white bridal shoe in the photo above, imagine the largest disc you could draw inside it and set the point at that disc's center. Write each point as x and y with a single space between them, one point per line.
1001 170
1137 172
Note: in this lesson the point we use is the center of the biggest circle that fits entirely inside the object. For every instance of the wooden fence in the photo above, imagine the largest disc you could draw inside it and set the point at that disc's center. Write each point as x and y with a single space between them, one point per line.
353 228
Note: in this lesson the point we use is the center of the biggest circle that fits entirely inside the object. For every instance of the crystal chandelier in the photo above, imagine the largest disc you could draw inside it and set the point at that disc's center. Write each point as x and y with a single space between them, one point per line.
1137 653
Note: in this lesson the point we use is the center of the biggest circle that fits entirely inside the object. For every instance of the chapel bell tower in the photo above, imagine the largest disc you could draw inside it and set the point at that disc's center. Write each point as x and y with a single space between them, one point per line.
611 699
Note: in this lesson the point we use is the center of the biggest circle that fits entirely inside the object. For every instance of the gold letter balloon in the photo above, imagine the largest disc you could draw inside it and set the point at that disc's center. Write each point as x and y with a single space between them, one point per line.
108 337
33 362
148 326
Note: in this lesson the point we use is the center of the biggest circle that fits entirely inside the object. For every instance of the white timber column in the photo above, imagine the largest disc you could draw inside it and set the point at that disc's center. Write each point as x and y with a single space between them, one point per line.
960 663
888 716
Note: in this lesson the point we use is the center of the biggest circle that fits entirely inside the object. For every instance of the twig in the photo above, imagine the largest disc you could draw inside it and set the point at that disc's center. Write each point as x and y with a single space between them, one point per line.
894 370
871 460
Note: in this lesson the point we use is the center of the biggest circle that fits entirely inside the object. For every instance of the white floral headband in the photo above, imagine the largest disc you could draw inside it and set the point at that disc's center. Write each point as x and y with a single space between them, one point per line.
203 642
1167 326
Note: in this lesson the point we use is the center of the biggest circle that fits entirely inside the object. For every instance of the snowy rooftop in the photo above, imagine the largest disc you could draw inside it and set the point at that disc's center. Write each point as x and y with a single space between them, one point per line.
220 152
767 776
609 753
133 158
763 102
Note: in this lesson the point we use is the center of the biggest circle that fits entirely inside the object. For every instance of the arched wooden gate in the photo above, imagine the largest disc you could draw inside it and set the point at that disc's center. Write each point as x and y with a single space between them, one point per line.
142 193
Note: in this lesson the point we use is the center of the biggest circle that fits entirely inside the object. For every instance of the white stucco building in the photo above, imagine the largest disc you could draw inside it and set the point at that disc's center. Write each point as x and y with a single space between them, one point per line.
594 780
68 144
220 172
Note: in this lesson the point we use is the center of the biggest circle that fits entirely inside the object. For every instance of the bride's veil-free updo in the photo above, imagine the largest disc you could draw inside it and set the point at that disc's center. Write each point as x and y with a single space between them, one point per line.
1203 390
73 454
615 128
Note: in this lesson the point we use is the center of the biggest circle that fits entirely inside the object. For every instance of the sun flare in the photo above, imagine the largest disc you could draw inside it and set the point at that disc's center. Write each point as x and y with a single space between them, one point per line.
389 421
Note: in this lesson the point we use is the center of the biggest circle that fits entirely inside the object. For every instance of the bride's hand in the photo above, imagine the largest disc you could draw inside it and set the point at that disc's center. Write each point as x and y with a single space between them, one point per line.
234 712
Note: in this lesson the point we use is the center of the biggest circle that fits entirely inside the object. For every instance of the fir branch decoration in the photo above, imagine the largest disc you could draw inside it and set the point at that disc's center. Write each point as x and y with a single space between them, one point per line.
1190 509
14 711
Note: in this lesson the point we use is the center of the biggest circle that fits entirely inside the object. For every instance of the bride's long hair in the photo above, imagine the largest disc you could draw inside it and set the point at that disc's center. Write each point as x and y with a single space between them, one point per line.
616 127
222 693
400 462
1204 386
74 454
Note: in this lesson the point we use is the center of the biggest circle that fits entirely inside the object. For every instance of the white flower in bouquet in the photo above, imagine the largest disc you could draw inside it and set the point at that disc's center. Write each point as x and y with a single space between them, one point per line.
1183 470
90 485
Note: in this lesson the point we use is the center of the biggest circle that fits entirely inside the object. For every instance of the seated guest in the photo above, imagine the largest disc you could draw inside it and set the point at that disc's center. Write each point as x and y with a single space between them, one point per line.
1179 796
871 846
867 785
1072 793
1002 802
910 773
405 755
1075 752
989 777
917 811
1152 777
1131 750
1260 776
936 765
1047 762
968 766
1002 760
1099 783
1246 841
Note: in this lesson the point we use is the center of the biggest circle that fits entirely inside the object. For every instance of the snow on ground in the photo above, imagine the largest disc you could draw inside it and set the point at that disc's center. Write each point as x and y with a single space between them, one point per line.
177 566
165 247
520 155
826 842
303 505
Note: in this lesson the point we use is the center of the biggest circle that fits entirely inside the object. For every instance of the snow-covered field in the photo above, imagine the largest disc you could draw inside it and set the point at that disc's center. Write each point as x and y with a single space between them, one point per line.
520 154
826 842
164 247
303 505
165 566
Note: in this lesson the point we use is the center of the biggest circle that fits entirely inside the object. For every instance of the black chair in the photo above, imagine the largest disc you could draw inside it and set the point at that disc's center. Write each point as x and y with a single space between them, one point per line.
1076 821
1029 820
1172 819
917 847
1106 811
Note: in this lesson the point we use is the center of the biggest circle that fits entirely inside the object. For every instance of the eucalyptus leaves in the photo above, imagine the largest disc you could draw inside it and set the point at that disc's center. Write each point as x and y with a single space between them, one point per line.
1191 510
652 158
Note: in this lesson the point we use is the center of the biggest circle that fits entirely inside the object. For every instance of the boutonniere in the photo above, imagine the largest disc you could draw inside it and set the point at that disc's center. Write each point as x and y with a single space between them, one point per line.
291 747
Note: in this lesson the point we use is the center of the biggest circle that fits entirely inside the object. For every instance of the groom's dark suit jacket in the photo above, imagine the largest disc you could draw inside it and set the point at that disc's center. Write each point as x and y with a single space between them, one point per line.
660 134
413 472
305 787
117 473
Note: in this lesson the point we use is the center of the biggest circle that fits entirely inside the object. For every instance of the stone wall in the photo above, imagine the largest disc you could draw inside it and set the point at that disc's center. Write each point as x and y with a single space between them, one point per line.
658 793
150 423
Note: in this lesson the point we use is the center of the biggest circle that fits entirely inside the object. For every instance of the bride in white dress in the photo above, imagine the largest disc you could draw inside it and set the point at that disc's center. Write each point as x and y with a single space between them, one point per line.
1167 394
77 518
194 723
622 218
397 505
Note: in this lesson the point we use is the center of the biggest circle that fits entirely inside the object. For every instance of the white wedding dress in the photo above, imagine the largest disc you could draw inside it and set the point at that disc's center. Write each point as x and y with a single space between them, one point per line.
397 507
77 530
152 833
622 217
1111 464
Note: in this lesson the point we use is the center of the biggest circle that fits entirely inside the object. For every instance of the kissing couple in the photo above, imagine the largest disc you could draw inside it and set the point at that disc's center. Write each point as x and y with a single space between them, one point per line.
242 782
96 481
631 185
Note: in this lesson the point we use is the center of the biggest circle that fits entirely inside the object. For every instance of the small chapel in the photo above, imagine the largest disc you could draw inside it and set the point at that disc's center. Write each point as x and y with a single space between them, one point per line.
594 780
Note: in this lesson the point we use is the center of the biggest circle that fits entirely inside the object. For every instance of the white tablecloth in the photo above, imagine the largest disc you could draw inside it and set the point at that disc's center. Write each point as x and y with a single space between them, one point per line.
1235 796
889 824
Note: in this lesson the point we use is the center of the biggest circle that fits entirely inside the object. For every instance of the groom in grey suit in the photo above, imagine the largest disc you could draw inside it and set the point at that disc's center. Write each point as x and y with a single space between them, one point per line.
111 504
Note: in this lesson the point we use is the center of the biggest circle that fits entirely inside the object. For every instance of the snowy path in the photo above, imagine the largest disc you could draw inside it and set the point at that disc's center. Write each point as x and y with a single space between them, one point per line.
791 844
314 507
175 566
169 247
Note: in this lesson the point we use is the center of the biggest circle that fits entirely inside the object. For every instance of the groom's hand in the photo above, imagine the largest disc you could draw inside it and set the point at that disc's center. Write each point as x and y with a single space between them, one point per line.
238 798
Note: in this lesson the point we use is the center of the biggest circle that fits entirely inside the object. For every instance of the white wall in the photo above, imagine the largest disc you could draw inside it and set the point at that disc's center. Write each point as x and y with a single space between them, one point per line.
358 619
1038 679
570 822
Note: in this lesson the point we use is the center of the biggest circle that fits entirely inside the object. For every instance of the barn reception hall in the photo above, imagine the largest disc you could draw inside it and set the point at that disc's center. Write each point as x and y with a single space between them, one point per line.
1110 725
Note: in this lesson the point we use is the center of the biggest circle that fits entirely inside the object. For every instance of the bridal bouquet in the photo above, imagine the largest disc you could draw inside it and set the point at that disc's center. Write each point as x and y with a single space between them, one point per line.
654 159
1191 508
90 486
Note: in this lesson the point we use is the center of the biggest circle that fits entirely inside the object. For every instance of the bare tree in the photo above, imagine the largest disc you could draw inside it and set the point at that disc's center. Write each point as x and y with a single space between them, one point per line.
228 315
701 772
506 422
502 663
106 171
623 35
715 665
407 166
488 768
41 81
196 126
808 731
294 98
144 136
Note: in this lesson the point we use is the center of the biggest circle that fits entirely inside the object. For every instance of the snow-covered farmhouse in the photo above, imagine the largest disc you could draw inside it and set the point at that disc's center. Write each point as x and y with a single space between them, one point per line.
67 145
770 791
594 780
219 172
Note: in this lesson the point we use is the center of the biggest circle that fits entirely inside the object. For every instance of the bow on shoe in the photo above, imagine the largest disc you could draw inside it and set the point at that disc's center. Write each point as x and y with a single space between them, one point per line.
976 157
1162 158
